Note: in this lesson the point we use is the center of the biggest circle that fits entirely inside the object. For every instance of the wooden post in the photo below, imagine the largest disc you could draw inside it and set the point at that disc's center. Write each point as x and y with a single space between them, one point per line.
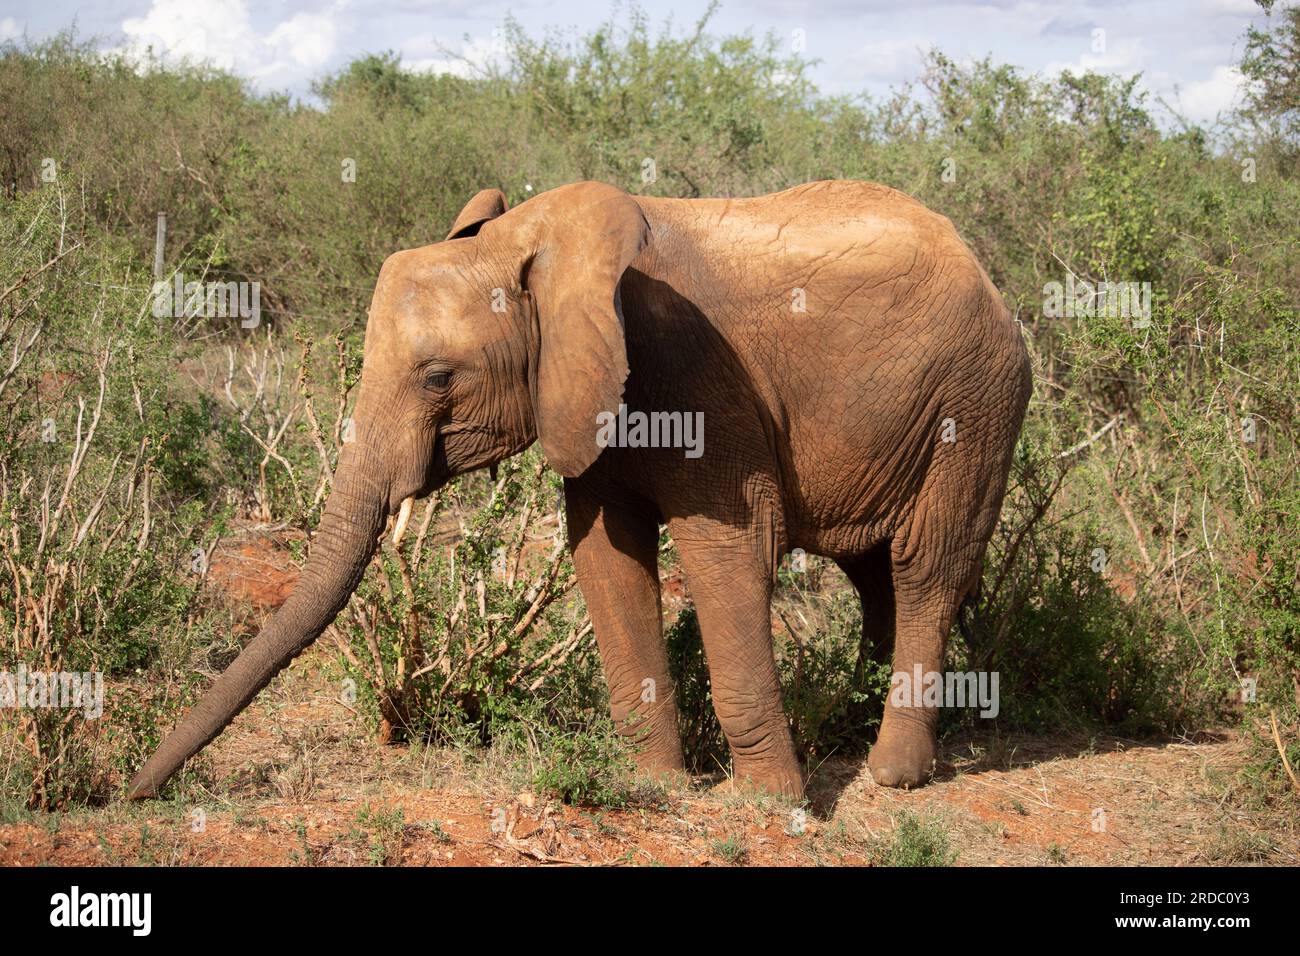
159 242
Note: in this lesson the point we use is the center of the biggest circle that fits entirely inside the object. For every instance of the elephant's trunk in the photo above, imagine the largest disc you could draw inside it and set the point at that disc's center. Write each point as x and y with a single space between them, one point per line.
341 550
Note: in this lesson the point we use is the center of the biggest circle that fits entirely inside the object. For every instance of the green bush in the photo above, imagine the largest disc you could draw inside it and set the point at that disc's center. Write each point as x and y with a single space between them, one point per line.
916 840
834 700
457 635
97 538
586 765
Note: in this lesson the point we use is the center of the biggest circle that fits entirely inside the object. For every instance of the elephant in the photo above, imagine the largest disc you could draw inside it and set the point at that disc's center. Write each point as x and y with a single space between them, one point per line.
860 383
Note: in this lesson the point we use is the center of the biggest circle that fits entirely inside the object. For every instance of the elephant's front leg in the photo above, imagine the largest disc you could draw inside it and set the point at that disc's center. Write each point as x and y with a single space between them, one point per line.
615 554
730 578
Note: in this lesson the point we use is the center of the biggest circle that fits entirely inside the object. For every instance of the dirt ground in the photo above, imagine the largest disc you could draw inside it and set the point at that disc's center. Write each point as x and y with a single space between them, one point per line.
301 781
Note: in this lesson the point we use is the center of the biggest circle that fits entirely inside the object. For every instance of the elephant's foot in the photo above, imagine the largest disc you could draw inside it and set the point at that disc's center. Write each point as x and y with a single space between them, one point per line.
777 775
903 755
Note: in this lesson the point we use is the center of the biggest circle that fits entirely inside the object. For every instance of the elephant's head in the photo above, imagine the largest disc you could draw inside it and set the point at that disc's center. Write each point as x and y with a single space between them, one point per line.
508 332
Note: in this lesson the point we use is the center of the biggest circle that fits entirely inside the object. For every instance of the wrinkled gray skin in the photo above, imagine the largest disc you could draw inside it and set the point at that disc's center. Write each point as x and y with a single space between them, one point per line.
829 334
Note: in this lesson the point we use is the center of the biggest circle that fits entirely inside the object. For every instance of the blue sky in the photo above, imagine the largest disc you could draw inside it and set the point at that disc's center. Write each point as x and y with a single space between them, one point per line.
1185 49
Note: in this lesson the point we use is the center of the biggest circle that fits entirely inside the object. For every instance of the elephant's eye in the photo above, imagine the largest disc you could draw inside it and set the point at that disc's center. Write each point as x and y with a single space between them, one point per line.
437 380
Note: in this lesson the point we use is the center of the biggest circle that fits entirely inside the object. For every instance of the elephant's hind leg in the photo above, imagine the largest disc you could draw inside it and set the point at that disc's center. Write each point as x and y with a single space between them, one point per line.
615 554
905 749
936 564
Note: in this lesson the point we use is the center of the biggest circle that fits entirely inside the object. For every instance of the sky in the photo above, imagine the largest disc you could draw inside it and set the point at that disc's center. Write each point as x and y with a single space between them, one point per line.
1185 49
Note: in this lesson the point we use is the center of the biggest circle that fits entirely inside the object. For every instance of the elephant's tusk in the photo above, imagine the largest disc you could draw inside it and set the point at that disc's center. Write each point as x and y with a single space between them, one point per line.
403 516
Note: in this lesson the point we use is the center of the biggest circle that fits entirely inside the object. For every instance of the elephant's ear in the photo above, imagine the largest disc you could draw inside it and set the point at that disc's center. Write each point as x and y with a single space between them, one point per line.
487 204
574 244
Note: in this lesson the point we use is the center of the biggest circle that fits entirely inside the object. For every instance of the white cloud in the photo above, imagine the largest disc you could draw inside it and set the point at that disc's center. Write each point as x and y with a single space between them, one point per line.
466 59
9 29
221 33
1209 55
1123 56
1231 8
1205 99
890 60
306 38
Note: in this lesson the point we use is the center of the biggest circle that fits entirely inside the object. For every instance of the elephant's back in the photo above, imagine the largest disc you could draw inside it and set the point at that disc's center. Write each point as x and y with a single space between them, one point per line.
863 322
834 278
